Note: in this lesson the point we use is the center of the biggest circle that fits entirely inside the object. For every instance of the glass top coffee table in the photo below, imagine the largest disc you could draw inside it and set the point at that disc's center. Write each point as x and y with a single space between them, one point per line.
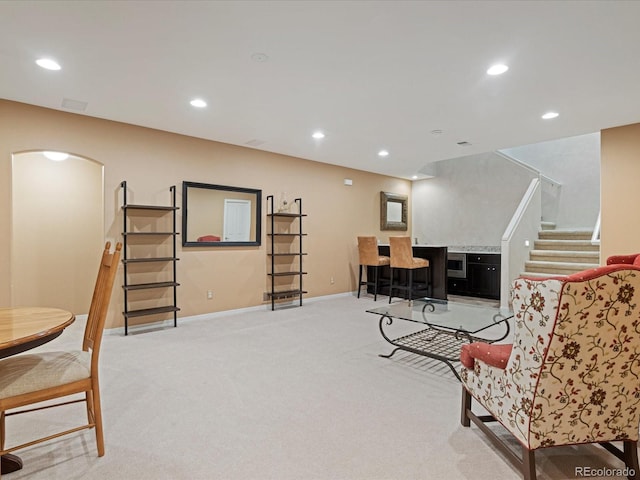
444 326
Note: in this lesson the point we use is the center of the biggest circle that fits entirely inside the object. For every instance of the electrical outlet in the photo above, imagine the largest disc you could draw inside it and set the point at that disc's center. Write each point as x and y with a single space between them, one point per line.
209 294
332 281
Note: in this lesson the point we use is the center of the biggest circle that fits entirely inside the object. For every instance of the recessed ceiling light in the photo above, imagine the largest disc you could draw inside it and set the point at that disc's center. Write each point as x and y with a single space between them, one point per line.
48 64
436 132
383 153
464 144
550 115
318 135
198 103
497 69
56 156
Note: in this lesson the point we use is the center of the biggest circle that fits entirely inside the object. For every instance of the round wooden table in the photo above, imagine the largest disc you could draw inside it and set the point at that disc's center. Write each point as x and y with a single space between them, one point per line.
24 328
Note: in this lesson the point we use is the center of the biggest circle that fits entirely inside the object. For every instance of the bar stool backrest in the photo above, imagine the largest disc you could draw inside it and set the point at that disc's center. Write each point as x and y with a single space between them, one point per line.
401 252
368 251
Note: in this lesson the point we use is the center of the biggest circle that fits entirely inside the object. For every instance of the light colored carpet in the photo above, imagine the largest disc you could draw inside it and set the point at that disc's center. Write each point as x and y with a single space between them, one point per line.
299 393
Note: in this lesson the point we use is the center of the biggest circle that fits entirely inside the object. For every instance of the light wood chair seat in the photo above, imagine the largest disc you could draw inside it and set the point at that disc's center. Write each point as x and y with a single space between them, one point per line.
32 372
29 379
370 257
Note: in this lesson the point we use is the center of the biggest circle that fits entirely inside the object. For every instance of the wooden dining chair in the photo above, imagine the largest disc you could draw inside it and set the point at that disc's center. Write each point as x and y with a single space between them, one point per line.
28 379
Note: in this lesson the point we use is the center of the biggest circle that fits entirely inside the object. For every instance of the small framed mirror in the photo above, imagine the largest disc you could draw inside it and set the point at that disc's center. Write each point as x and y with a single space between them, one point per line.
393 211
220 215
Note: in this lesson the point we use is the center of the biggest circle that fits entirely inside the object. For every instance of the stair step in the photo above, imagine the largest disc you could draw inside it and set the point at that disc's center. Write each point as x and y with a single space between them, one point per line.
555 268
568 256
547 225
573 245
561 252
574 234
542 274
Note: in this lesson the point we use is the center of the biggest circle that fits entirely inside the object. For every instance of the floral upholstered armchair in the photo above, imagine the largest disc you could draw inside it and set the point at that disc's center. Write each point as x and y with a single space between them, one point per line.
572 374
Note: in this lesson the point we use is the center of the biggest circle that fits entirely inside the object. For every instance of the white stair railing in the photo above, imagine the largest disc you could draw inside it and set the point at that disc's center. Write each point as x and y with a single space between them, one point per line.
595 238
518 238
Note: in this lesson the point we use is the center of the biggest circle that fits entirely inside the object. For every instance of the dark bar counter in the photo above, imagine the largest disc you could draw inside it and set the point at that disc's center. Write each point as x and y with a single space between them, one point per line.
437 257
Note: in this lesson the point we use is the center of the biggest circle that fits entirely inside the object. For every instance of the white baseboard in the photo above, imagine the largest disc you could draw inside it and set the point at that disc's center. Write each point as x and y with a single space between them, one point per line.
222 313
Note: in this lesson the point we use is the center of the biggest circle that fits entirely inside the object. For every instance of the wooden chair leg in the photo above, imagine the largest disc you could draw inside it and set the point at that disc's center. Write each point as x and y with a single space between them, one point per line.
466 405
391 286
631 458
528 464
89 404
410 295
525 462
97 415
359 281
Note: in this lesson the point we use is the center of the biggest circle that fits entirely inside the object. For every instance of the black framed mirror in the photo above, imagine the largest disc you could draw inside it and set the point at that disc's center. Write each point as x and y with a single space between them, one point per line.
220 215
393 211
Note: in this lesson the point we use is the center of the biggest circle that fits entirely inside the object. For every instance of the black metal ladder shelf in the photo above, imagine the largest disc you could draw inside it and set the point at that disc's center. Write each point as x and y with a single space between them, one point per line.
293 221
128 234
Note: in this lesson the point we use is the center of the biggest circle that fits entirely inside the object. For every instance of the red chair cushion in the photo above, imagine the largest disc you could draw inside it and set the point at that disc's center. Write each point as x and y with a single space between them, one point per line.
209 238
492 354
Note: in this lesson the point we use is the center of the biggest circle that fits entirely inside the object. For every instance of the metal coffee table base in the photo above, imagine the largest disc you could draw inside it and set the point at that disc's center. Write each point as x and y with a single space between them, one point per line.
432 342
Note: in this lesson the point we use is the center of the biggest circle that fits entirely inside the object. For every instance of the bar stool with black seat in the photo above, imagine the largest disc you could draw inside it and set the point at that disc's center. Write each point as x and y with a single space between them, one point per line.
402 258
370 257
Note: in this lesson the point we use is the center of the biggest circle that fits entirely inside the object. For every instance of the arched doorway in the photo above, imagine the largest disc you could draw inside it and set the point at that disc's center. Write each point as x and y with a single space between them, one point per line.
57 230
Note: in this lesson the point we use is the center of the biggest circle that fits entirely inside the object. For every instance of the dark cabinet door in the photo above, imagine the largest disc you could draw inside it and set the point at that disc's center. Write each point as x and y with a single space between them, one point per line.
457 286
483 275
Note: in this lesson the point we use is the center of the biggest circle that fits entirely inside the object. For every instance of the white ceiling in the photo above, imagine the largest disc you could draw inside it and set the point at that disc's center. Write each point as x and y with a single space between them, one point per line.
370 74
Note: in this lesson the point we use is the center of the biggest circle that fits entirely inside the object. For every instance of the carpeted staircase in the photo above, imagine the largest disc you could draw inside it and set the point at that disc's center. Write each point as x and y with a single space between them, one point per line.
562 252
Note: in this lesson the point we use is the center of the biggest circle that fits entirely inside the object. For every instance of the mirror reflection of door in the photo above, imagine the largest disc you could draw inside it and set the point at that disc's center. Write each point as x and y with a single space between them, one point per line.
237 220
394 211
57 230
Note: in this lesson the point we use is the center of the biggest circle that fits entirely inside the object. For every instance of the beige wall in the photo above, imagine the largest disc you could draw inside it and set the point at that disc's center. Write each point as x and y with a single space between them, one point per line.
620 170
50 199
151 161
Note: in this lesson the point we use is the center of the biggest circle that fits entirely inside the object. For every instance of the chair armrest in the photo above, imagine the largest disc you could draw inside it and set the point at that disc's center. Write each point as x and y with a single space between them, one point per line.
495 355
622 259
